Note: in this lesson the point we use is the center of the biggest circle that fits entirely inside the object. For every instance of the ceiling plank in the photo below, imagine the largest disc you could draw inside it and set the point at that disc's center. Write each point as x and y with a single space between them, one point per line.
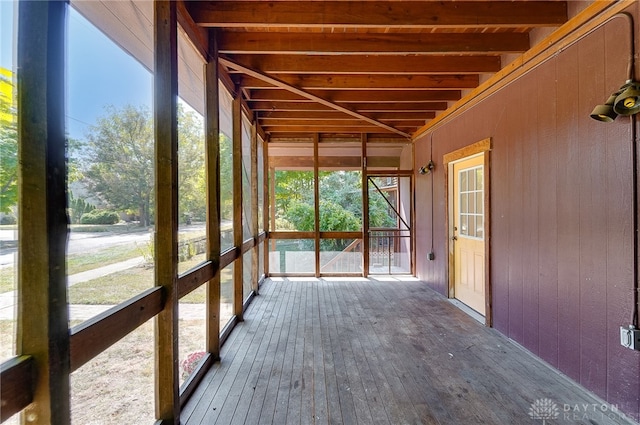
324 129
378 14
329 137
335 115
260 106
304 115
361 107
328 123
310 96
399 107
361 43
366 82
267 122
361 95
381 64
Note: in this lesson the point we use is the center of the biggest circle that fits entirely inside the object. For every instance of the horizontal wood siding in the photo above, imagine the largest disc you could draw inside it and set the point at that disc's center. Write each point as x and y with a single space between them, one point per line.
561 213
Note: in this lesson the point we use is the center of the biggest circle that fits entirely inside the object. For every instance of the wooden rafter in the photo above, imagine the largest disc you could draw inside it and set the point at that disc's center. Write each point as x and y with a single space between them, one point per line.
371 65
267 122
378 14
345 96
336 115
360 107
323 129
356 43
366 82
309 96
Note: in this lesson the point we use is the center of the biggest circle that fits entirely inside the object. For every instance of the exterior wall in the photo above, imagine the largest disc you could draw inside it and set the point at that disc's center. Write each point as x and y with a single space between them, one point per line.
561 213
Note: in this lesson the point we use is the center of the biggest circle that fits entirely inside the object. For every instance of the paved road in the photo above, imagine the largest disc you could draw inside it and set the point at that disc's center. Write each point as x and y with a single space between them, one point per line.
80 242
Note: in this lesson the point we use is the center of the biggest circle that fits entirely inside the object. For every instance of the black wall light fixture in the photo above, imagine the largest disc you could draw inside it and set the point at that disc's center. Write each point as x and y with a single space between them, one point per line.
427 169
625 101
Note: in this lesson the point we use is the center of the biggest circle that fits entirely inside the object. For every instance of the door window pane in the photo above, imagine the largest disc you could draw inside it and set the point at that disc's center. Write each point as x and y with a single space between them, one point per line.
471 202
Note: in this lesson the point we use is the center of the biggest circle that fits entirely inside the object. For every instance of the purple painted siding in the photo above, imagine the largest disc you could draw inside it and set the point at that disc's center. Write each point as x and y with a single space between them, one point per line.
561 213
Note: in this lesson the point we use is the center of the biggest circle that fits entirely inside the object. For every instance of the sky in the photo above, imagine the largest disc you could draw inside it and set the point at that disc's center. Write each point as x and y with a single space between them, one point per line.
99 73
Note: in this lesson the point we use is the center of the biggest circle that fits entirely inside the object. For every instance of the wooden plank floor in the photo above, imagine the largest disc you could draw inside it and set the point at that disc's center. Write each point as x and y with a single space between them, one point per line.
373 352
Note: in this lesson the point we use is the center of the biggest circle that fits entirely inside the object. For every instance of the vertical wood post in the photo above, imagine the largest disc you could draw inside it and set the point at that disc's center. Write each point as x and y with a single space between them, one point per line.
272 207
365 209
212 124
254 206
265 202
43 320
166 225
237 202
316 201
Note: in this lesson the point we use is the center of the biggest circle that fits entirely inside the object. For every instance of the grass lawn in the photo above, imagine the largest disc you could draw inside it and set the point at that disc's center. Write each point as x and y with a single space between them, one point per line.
7 339
118 287
7 280
79 263
82 262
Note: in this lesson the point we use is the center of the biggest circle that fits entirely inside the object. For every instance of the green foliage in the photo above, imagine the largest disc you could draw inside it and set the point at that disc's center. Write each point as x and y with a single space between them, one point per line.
77 208
293 186
301 216
379 215
120 161
336 217
191 172
120 152
8 153
340 202
226 176
100 217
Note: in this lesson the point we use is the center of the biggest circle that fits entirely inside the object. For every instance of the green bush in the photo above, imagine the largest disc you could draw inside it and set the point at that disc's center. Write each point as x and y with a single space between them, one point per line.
100 217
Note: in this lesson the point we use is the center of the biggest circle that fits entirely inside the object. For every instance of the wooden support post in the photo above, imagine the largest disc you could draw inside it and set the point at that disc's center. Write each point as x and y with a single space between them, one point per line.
316 201
166 227
212 117
254 207
265 203
43 320
365 209
237 203
272 207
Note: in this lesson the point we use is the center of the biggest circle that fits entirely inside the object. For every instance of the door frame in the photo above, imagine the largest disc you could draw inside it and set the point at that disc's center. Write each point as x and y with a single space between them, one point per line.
483 147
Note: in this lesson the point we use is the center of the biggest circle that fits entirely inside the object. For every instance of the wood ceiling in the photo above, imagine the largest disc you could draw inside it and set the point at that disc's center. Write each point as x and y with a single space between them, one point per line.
344 67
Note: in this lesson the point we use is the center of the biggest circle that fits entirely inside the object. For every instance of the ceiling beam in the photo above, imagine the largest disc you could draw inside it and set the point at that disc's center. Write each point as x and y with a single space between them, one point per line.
329 137
308 95
360 107
372 65
363 44
324 129
399 107
378 14
270 122
335 115
303 115
384 96
366 82
267 122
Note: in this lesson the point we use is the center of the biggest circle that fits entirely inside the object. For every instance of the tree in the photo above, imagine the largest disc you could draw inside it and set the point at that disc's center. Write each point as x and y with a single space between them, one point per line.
191 172
8 145
226 177
293 186
120 152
